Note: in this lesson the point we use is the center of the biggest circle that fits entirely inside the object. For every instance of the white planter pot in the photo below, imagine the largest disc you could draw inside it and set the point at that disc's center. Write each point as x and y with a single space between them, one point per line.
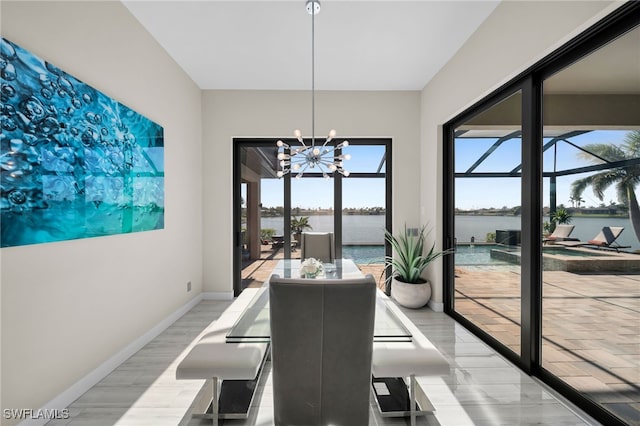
411 295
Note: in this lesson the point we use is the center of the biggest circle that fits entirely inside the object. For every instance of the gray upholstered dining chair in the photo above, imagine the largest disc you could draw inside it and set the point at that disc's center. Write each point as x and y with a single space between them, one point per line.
319 245
321 348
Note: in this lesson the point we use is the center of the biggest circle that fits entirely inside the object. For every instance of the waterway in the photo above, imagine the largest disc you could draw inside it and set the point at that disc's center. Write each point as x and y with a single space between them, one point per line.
369 230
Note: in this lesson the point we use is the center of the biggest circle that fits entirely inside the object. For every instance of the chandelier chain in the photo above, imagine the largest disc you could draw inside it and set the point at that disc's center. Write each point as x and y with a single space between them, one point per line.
326 159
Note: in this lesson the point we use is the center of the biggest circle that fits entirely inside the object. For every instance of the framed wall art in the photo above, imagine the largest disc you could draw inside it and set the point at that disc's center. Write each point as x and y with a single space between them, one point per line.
75 163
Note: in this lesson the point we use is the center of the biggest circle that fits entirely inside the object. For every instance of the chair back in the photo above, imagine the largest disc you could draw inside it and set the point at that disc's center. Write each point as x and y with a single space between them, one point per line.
609 234
321 348
319 245
562 231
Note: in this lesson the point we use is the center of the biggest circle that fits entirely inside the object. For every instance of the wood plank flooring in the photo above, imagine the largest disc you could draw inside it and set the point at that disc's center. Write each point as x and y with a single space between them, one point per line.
481 388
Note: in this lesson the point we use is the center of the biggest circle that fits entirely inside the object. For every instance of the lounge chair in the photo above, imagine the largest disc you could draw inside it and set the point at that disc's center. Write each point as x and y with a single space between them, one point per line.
561 233
604 240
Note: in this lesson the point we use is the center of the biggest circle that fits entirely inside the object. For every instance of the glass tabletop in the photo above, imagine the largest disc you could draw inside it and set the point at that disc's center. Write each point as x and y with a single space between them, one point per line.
340 269
253 324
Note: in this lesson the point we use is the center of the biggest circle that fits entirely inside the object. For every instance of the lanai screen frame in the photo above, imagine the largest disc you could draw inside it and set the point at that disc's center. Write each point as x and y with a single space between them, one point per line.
556 138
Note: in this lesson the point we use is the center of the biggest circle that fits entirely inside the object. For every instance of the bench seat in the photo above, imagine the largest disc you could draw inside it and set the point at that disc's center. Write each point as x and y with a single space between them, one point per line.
394 361
213 360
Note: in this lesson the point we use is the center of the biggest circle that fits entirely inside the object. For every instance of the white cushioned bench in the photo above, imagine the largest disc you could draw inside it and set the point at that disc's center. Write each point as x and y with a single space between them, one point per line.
213 360
394 361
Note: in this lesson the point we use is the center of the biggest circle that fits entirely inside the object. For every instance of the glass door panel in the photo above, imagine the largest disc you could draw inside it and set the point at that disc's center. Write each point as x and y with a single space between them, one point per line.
363 223
487 221
261 212
591 163
311 208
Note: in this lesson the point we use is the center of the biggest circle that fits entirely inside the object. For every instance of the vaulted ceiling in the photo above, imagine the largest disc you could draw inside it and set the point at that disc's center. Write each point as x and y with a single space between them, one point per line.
263 45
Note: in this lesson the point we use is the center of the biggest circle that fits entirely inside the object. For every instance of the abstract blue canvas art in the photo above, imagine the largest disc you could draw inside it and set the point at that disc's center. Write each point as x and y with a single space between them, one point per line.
75 162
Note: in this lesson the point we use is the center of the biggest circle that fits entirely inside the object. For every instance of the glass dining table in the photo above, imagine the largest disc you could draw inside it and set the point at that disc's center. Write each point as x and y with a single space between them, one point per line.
253 324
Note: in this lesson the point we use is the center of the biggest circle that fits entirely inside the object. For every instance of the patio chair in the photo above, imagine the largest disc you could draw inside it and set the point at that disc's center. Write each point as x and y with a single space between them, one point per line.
561 233
318 245
321 350
606 239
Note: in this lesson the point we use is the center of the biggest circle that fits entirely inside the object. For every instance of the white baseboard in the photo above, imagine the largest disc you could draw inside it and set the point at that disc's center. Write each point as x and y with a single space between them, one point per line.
76 390
221 295
436 306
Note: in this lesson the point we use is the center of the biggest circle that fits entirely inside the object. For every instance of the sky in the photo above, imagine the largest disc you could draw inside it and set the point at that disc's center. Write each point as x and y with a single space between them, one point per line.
485 193
471 193
318 193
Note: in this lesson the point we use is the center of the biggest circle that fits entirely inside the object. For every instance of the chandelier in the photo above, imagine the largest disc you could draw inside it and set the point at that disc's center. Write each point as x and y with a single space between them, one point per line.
324 158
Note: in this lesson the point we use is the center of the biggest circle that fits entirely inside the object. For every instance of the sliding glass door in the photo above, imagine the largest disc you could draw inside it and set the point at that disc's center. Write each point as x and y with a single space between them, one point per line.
270 212
591 164
488 154
541 209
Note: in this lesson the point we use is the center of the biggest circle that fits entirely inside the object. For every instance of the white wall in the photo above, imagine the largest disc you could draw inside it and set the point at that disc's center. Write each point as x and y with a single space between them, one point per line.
229 114
69 306
514 37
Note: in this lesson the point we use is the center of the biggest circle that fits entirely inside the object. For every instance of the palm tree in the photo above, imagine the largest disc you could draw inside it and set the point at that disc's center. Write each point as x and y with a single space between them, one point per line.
576 201
625 178
298 225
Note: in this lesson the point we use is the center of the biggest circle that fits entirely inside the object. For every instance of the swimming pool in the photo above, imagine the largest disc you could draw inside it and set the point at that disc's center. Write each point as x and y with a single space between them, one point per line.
568 252
479 254
365 254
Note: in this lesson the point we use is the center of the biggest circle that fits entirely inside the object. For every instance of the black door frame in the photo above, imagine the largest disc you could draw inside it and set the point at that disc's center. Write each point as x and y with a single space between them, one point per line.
623 19
240 143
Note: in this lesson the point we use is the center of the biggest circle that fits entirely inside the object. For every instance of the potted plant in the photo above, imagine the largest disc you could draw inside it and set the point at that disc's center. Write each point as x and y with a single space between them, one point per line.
408 287
560 216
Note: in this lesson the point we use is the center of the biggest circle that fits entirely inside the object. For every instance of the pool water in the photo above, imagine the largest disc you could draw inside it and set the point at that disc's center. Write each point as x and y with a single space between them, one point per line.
568 252
364 255
469 255
479 254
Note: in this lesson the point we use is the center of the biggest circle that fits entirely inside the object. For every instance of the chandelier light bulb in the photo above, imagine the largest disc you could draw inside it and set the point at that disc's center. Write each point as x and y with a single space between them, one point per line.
345 144
296 166
346 173
316 151
280 173
347 156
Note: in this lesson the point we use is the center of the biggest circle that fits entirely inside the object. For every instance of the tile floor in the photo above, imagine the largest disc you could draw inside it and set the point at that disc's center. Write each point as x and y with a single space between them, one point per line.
481 389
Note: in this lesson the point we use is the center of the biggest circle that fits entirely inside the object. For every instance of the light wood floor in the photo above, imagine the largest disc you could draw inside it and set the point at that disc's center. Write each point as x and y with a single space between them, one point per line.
481 388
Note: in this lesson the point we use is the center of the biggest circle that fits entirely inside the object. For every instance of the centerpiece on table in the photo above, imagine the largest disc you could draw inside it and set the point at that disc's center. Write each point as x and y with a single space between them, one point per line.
310 268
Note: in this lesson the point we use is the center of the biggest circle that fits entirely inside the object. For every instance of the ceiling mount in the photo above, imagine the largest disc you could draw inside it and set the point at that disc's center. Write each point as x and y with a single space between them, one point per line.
313 7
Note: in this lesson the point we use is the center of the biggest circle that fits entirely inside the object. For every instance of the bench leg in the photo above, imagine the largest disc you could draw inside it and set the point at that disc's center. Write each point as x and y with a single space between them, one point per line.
215 405
412 398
